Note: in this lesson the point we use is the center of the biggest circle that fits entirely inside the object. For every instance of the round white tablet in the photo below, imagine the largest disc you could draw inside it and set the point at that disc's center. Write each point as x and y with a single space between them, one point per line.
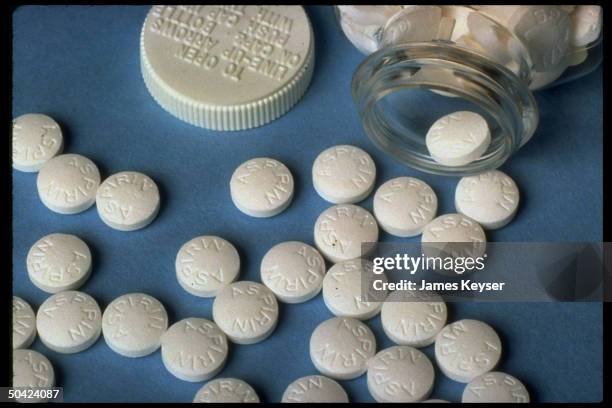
294 271
226 390
32 370
545 31
227 67
194 349
341 347
24 324
490 198
586 22
59 262
458 138
343 174
205 264
348 291
340 231
36 139
133 324
128 201
315 388
413 318
404 205
247 312
466 349
468 235
495 387
69 322
67 183
262 187
400 374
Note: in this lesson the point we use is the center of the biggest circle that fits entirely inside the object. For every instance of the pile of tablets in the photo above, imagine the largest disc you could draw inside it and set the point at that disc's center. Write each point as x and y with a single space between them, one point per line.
244 312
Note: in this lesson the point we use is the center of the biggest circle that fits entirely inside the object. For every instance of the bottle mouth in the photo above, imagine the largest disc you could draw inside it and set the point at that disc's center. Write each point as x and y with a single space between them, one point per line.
401 90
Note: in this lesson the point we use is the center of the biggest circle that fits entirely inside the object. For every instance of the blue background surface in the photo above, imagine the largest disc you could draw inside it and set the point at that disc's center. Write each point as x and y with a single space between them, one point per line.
80 65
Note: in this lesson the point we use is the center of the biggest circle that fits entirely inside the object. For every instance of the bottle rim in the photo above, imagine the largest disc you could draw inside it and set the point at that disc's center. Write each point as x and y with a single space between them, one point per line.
443 66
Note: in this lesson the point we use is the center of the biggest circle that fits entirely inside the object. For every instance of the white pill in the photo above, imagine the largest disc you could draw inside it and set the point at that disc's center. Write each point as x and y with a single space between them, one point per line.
343 174
495 387
315 388
59 262
490 198
404 205
457 228
205 264
341 347
133 324
194 349
247 312
545 31
69 322
128 201
369 15
36 139
348 291
466 349
400 374
32 370
586 22
458 138
412 24
24 324
67 183
226 390
413 318
341 230
294 271
361 38
262 187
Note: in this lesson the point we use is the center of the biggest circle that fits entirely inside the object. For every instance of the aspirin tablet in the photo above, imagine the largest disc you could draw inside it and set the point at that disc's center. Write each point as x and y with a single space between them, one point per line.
495 387
404 205
413 318
67 183
362 40
226 390
247 312
340 231
128 201
412 24
133 324
343 174
546 33
32 370
294 271
458 138
36 139
69 322
262 187
59 262
468 235
466 349
586 23
345 293
315 388
24 324
194 349
400 374
205 264
341 347
489 198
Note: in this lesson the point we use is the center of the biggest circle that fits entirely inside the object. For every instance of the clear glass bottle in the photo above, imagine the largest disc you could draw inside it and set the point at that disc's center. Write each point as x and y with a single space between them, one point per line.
428 61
